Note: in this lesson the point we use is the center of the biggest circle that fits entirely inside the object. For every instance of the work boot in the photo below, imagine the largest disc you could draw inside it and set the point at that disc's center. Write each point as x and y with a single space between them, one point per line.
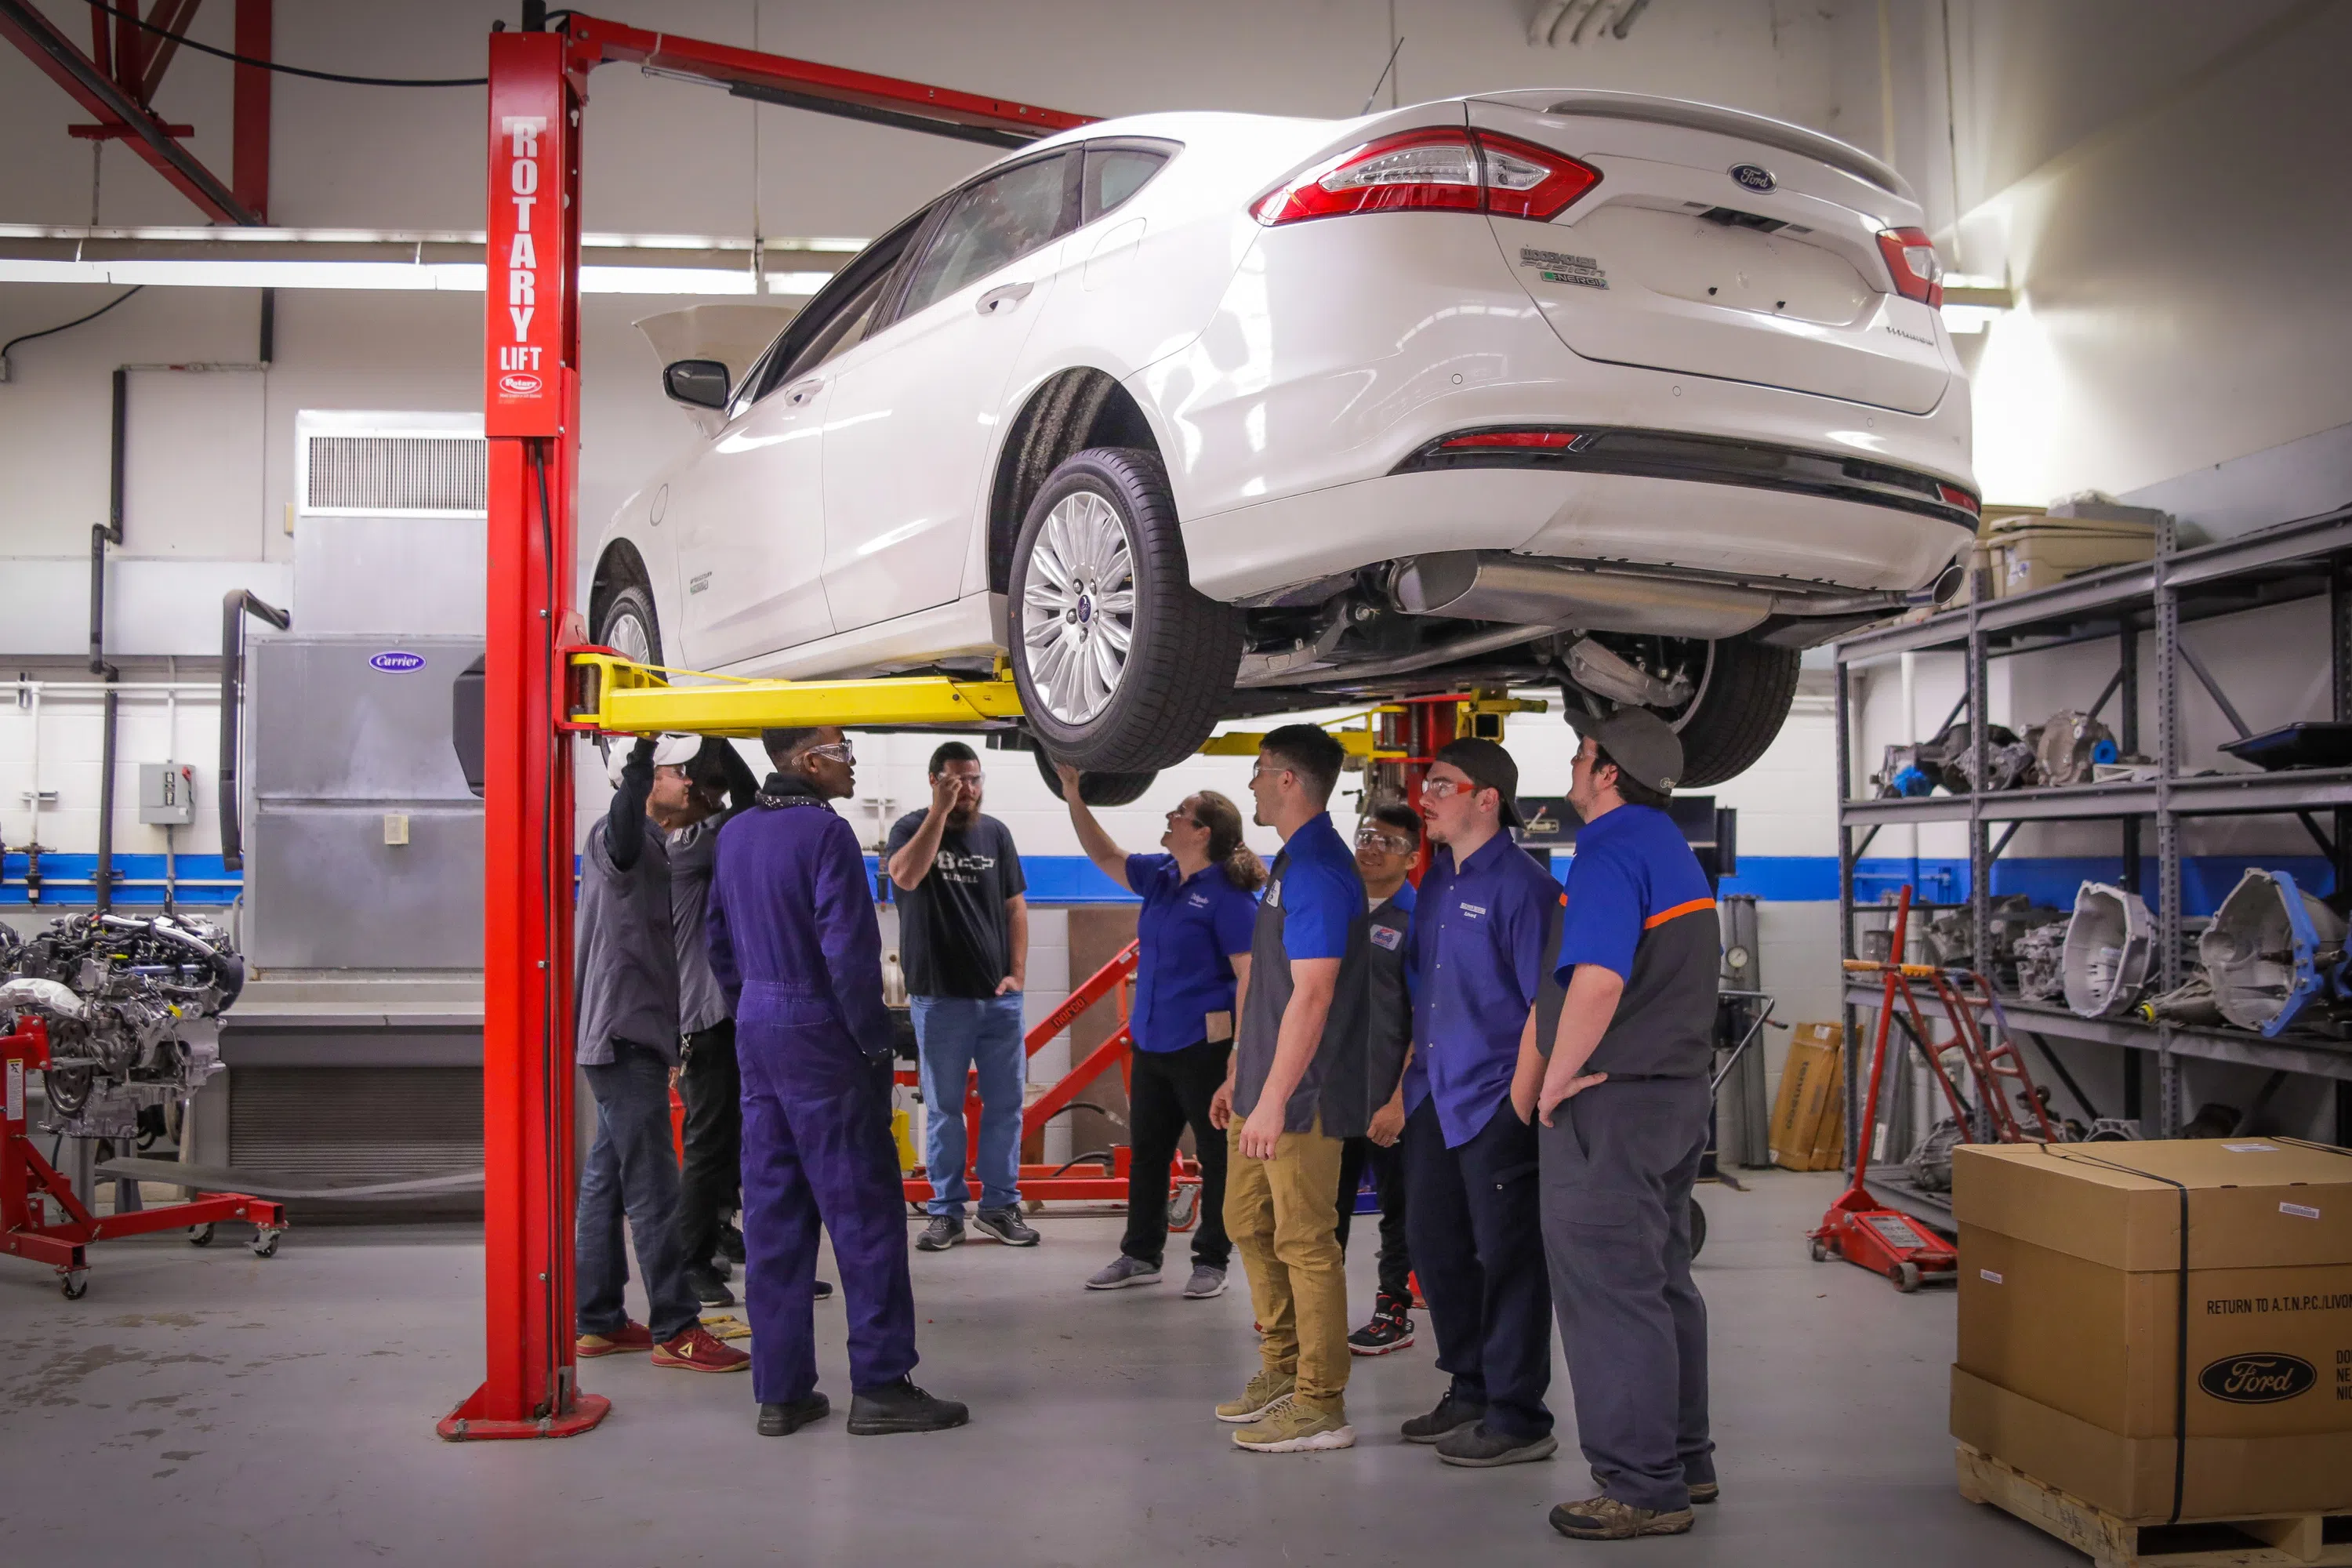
1606 1519
627 1337
943 1232
1206 1281
731 1244
783 1420
1389 1330
1704 1491
1005 1226
1295 1426
708 1288
1481 1447
1265 1390
1453 1414
696 1351
1122 1271
901 1406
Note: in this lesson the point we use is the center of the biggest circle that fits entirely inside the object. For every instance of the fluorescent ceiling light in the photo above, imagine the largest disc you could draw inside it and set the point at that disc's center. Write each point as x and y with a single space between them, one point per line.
456 277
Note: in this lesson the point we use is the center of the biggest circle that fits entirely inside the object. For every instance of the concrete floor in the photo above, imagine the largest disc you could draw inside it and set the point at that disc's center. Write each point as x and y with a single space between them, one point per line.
204 1408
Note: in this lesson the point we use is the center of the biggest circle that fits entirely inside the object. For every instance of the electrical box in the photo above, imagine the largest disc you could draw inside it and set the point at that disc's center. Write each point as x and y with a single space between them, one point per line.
167 794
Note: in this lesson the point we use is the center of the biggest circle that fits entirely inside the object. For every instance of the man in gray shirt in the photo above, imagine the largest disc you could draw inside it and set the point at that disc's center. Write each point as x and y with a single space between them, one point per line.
624 980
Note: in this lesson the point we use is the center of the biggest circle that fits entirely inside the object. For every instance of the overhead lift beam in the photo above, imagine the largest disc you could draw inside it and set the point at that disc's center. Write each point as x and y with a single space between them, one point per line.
531 410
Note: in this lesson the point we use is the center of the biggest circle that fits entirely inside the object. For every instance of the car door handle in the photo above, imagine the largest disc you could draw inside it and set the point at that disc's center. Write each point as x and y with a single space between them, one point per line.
800 392
997 302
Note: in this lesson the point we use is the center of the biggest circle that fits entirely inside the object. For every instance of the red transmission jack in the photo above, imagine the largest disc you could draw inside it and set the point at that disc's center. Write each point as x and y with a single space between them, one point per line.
1858 1227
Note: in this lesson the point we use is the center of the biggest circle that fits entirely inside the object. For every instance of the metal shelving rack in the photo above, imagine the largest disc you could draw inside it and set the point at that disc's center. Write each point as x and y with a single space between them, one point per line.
2179 586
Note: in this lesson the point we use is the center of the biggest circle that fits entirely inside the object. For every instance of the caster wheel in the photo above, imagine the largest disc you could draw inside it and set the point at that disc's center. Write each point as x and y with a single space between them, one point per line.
200 1236
1697 1228
1184 1210
75 1285
266 1244
1907 1277
1819 1249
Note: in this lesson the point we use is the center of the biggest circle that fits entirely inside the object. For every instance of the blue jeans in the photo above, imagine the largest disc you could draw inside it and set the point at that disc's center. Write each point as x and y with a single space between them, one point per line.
956 1034
632 1167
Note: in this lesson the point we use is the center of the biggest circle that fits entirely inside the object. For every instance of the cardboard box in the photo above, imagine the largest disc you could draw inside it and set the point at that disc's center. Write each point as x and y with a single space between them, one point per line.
1812 1081
2046 551
2074 1301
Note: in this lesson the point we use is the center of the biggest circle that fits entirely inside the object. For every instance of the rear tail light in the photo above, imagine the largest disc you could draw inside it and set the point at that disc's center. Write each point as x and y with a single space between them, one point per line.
1911 258
1439 170
1954 496
1554 439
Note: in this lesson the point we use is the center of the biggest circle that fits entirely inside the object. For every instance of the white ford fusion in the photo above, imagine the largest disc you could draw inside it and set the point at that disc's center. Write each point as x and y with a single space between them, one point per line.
1193 416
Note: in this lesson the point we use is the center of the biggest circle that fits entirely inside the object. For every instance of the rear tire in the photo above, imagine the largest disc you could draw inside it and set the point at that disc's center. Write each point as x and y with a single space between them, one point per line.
1738 712
1096 789
627 627
1121 664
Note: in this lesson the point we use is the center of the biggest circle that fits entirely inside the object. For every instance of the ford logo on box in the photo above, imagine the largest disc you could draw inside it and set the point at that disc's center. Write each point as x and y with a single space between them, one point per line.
397 663
1753 177
2261 1379
522 384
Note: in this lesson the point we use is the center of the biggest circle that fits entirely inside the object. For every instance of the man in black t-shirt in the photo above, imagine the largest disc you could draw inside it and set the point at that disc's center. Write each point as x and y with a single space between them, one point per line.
963 940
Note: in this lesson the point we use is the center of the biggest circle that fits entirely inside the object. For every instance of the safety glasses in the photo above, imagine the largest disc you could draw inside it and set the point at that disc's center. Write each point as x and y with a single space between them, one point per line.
1389 843
843 752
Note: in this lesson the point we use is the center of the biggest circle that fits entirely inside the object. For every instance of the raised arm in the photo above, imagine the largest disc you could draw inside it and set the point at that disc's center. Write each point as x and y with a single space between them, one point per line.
1108 857
912 861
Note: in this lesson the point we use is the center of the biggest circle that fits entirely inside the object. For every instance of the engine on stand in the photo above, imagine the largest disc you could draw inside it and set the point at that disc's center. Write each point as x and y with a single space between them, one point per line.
120 1015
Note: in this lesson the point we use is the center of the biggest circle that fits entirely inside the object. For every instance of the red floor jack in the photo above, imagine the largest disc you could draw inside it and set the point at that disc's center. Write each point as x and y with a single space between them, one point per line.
1858 1227
25 1228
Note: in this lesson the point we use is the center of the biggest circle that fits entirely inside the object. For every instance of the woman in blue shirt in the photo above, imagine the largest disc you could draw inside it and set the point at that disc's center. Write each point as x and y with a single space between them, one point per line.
1199 909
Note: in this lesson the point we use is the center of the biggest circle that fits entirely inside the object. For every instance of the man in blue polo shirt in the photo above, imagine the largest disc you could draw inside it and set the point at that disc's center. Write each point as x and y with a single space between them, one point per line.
1481 933
1623 1104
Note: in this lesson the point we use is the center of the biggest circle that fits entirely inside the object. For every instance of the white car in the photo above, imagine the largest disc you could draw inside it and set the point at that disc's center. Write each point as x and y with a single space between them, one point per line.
1202 416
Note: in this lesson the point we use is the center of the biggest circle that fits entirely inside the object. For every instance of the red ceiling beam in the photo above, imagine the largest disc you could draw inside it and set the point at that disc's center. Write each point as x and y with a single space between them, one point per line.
46 47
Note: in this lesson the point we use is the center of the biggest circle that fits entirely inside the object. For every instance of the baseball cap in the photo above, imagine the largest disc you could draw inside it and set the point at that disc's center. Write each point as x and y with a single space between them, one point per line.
1643 746
1489 767
669 752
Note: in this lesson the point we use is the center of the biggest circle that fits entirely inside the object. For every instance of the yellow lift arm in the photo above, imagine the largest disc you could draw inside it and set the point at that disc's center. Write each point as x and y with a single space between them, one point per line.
608 694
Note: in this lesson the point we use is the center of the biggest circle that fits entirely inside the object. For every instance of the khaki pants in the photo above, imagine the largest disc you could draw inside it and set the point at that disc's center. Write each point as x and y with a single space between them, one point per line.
1282 1215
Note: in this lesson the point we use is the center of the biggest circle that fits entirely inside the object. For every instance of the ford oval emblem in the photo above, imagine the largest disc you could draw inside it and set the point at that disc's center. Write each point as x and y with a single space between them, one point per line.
1753 177
522 384
2258 1379
396 662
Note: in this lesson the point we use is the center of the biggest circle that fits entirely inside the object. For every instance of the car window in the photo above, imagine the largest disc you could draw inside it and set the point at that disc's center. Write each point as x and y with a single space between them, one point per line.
996 222
1116 173
836 317
846 329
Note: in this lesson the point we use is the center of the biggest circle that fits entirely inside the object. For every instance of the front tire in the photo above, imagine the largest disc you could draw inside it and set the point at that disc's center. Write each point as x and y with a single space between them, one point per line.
1121 664
627 626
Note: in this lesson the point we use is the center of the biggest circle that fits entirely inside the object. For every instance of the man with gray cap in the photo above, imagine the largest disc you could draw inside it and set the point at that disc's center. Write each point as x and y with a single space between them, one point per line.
1629 1027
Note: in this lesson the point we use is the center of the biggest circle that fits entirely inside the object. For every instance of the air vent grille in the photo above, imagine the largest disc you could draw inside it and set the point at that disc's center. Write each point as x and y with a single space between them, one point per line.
396 476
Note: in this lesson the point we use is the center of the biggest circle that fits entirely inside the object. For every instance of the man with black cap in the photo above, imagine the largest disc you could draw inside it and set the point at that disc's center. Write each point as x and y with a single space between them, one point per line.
1623 1103
1482 929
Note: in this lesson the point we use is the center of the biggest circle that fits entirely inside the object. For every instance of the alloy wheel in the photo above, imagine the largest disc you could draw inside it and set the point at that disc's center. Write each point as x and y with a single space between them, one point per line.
1077 612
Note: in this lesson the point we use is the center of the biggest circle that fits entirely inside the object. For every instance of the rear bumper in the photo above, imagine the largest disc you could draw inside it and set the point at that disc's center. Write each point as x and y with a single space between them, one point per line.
1580 514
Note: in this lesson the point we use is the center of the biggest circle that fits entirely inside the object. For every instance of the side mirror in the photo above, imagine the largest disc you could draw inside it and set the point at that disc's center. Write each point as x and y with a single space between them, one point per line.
701 382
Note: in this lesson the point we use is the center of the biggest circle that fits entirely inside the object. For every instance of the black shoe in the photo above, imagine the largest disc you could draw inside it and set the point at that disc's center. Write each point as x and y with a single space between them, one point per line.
1452 1415
943 1232
708 1288
1005 1226
720 1267
1390 1330
901 1406
731 1244
824 1291
1481 1447
783 1420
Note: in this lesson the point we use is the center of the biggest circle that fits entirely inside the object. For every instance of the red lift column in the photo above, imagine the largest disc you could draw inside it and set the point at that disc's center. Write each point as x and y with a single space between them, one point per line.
531 411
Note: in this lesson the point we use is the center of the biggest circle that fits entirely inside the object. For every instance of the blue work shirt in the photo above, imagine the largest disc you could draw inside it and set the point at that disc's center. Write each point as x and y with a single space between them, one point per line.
1189 930
1639 906
1481 933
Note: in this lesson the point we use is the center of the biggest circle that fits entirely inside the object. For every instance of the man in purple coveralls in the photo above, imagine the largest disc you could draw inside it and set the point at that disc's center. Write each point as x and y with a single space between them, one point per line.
795 945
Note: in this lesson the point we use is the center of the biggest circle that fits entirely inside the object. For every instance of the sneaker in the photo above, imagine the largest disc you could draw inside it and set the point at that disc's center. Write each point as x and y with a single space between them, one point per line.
720 1267
696 1351
1704 1491
1389 1330
627 1337
943 1232
1265 1390
1005 1226
1206 1282
731 1244
1452 1415
1481 1447
708 1288
1606 1519
1122 1271
1295 1426
783 1420
823 1291
901 1406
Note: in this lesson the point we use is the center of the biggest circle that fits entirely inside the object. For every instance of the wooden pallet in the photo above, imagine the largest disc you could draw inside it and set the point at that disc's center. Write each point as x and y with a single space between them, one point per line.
2288 1541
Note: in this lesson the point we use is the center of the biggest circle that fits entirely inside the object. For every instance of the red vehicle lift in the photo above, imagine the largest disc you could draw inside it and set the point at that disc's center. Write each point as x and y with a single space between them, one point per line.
24 1177
538 96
